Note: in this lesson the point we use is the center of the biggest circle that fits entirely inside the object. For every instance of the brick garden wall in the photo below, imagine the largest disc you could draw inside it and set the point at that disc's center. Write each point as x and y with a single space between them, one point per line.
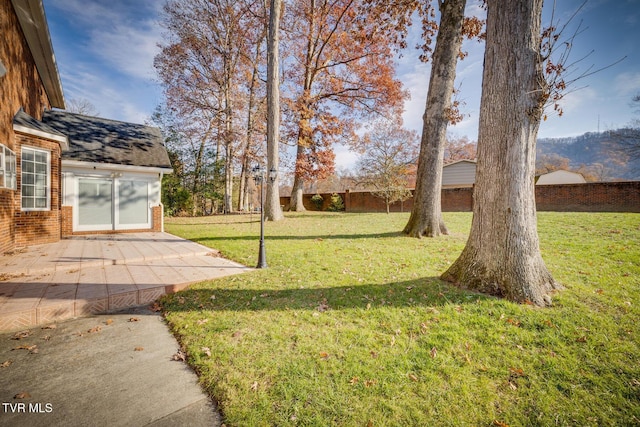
589 197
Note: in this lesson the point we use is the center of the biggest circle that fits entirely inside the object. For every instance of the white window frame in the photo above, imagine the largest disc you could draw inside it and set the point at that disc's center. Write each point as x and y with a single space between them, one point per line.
8 176
47 207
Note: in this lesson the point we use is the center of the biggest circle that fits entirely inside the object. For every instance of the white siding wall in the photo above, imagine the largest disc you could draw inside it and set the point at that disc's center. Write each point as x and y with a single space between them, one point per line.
460 174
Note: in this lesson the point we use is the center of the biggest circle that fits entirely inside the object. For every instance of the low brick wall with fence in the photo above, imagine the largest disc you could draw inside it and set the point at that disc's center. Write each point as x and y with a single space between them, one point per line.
589 197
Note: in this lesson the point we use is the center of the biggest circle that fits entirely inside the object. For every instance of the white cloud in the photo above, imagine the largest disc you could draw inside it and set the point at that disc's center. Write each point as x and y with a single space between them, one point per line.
345 158
123 34
627 83
129 49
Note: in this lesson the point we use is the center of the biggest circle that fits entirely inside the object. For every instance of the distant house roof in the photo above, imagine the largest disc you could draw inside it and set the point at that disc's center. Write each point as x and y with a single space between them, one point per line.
98 140
560 177
33 22
461 161
22 122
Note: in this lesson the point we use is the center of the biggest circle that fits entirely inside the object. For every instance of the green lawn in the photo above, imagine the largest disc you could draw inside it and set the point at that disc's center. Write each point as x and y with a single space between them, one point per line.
351 326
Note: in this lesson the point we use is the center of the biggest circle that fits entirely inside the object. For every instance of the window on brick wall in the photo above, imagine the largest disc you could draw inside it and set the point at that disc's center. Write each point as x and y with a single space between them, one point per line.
36 179
7 168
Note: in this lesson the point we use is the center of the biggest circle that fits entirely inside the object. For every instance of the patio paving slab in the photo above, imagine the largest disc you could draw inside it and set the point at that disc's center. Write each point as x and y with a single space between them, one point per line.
86 275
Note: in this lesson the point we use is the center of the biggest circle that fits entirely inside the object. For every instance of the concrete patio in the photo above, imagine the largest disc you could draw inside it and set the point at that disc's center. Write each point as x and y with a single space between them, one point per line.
88 275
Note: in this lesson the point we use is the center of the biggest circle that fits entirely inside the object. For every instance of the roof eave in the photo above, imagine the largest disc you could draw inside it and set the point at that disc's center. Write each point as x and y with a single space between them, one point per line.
115 167
36 31
62 140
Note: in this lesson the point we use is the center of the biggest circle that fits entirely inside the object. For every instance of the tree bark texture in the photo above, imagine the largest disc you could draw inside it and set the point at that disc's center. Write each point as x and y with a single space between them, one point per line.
502 255
273 211
426 214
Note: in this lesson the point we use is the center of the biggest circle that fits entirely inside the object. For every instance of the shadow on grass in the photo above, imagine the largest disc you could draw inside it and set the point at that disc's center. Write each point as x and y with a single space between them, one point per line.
319 237
428 291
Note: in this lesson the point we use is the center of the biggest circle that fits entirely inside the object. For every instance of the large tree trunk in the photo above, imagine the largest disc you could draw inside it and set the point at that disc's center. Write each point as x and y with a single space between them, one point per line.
273 211
426 214
297 193
502 256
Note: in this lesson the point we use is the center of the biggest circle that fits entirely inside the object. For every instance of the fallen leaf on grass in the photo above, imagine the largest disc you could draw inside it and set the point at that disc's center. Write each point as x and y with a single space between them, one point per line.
207 351
354 380
599 291
413 377
516 372
155 307
22 395
514 322
138 349
500 423
370 383
20 335
322 307
202 321
433 353
582 339
180 356
374 354
324 355
5 364
254 386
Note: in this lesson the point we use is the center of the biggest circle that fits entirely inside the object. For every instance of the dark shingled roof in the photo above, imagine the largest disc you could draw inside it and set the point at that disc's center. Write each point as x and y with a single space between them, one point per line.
98 140
23 119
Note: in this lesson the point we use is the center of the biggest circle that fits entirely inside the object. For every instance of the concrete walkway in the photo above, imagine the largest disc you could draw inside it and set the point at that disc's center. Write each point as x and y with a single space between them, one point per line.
119 369
83 276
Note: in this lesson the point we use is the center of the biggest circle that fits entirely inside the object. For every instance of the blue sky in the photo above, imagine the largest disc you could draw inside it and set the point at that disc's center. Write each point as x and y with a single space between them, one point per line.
105 51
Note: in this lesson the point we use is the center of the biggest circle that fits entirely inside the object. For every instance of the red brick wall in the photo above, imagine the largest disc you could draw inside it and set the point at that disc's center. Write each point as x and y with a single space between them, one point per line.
589 197
156 218
37 227
20 87
66 221
7 231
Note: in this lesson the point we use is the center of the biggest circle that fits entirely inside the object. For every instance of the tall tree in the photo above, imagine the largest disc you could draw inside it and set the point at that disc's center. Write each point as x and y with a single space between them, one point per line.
502 255
201 64
273 211
426 214
341 68
387 162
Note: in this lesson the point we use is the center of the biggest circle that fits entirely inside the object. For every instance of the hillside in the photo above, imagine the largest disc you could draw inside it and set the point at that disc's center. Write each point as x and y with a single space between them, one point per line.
601 155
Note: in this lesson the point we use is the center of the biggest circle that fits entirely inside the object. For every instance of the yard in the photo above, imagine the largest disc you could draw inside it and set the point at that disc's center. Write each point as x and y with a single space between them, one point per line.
351 326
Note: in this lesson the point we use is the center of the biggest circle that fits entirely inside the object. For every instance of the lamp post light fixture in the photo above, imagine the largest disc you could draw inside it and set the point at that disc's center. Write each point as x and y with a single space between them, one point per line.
259 176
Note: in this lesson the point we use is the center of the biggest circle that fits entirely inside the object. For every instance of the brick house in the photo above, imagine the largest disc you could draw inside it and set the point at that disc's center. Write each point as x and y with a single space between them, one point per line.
63 173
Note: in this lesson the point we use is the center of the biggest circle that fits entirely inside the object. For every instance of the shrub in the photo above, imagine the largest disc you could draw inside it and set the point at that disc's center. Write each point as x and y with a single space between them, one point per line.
336 205
317 201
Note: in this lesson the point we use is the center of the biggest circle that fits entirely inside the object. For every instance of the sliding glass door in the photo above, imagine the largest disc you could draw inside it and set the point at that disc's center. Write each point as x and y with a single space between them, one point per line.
112 204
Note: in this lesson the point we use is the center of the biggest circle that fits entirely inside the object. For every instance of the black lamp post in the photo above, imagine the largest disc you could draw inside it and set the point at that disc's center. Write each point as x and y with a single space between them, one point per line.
259 177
